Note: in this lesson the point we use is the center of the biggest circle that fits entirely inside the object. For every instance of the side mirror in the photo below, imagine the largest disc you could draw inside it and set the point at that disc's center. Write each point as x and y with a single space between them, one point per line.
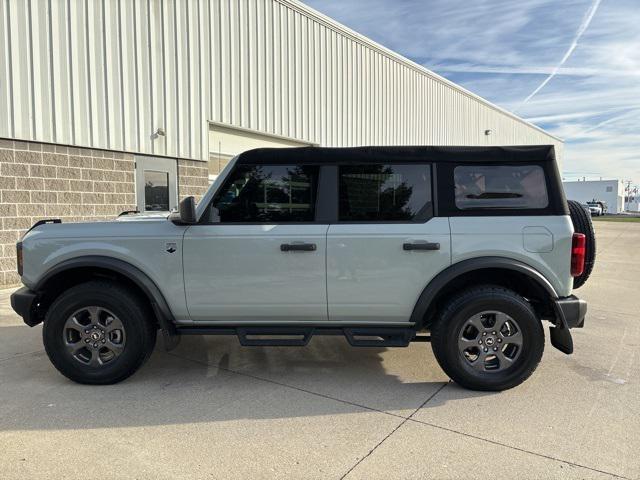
187 211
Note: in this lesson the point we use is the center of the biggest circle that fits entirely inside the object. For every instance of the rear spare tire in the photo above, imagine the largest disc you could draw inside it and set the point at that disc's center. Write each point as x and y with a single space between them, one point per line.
581 220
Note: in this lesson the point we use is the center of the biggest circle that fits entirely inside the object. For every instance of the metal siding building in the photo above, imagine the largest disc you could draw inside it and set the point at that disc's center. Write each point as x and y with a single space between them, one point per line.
106 74
609 191
101 98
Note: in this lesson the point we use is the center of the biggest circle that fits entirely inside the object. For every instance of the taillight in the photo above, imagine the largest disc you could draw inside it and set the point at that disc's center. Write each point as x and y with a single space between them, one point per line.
578 252
19 257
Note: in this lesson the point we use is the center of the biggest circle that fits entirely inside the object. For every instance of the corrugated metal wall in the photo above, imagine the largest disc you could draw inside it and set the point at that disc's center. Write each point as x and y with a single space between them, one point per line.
108 73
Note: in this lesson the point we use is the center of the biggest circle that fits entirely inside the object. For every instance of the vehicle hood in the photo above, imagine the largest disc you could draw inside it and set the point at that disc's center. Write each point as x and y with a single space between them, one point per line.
146 216
129 226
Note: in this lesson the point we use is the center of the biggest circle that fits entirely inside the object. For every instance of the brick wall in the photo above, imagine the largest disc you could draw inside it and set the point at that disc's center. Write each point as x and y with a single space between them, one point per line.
193 178
217 163
43 181
74 184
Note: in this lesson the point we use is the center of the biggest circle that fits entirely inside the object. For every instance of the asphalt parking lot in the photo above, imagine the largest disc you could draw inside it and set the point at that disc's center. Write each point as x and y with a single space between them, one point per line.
211 409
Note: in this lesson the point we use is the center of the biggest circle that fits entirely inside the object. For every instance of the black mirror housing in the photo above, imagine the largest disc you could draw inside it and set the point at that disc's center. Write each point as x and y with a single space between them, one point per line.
187 211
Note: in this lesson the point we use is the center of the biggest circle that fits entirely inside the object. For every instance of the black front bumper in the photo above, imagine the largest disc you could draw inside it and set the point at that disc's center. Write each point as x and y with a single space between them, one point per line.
25 303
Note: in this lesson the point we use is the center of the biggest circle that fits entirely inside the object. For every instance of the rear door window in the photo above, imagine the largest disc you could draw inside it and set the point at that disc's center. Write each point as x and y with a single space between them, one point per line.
385 193
517 187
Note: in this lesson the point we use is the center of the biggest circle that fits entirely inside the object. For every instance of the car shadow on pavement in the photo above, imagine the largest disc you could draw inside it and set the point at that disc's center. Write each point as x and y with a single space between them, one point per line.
214 379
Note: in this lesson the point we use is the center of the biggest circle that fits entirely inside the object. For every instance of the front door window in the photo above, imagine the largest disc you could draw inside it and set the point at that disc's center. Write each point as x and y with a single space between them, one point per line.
269 194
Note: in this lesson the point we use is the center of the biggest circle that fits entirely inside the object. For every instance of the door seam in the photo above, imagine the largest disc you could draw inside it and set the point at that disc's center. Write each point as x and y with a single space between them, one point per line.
326 268
184 278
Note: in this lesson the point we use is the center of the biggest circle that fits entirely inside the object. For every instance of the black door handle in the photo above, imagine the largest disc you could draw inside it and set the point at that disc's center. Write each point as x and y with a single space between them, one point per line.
421 246
298 247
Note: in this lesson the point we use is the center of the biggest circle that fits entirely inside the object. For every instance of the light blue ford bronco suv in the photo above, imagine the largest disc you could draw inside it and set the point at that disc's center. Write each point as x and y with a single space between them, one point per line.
468 248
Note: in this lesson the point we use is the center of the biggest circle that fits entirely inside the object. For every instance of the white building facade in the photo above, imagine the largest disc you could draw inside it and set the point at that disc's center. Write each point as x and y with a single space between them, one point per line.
609 191
99 100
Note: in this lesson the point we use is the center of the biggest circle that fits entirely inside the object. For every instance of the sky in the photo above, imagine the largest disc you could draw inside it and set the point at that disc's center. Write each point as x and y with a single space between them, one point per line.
571 67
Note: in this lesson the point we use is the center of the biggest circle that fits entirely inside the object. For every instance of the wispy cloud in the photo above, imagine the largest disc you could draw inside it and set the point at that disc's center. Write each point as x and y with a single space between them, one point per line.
629 114
583 27
530 70
507 51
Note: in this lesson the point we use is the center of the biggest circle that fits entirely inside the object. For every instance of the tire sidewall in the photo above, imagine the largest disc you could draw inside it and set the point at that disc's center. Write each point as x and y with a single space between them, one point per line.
132 319
581 219
532 346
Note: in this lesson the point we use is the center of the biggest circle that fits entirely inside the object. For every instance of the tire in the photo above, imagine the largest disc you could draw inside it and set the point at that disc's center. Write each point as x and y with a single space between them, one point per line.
582 223
74 342
482 304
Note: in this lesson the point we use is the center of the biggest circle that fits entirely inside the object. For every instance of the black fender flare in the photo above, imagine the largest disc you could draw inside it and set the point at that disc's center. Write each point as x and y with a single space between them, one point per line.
138 277
442 279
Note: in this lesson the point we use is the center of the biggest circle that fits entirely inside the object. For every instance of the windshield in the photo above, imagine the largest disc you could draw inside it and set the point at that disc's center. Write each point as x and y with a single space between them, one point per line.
206 198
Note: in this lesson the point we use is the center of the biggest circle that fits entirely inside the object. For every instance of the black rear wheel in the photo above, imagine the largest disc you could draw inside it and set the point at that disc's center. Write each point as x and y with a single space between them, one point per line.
98 333
581 219
488 338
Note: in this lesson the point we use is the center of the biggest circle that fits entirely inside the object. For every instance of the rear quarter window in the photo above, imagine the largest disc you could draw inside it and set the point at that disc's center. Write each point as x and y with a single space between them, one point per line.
517 187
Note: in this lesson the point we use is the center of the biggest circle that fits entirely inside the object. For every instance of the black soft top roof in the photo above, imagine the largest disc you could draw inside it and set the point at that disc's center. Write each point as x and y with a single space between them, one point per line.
512 154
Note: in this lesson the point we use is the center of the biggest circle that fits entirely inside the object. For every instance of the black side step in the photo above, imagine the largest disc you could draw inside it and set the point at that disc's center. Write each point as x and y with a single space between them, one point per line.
299 336
379 337
280 336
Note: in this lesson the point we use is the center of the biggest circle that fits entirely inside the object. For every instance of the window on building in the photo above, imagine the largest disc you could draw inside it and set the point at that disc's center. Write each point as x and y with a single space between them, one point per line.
379 193
156 190
500 187
609 189
269 194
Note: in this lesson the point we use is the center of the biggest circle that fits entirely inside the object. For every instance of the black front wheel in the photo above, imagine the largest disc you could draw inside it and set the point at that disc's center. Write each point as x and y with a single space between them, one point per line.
98 333
488 338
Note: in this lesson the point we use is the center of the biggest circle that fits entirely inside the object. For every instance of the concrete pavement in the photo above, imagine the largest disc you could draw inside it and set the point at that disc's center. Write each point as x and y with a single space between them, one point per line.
212 409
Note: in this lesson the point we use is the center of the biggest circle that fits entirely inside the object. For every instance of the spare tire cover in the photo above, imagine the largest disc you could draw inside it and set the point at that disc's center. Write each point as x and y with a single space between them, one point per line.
581 219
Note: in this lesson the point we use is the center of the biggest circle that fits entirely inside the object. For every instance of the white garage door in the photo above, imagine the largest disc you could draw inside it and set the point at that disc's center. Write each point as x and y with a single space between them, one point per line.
226 141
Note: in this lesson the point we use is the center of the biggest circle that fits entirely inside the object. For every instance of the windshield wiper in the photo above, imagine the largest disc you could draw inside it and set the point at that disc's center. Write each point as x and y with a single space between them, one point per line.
492 195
